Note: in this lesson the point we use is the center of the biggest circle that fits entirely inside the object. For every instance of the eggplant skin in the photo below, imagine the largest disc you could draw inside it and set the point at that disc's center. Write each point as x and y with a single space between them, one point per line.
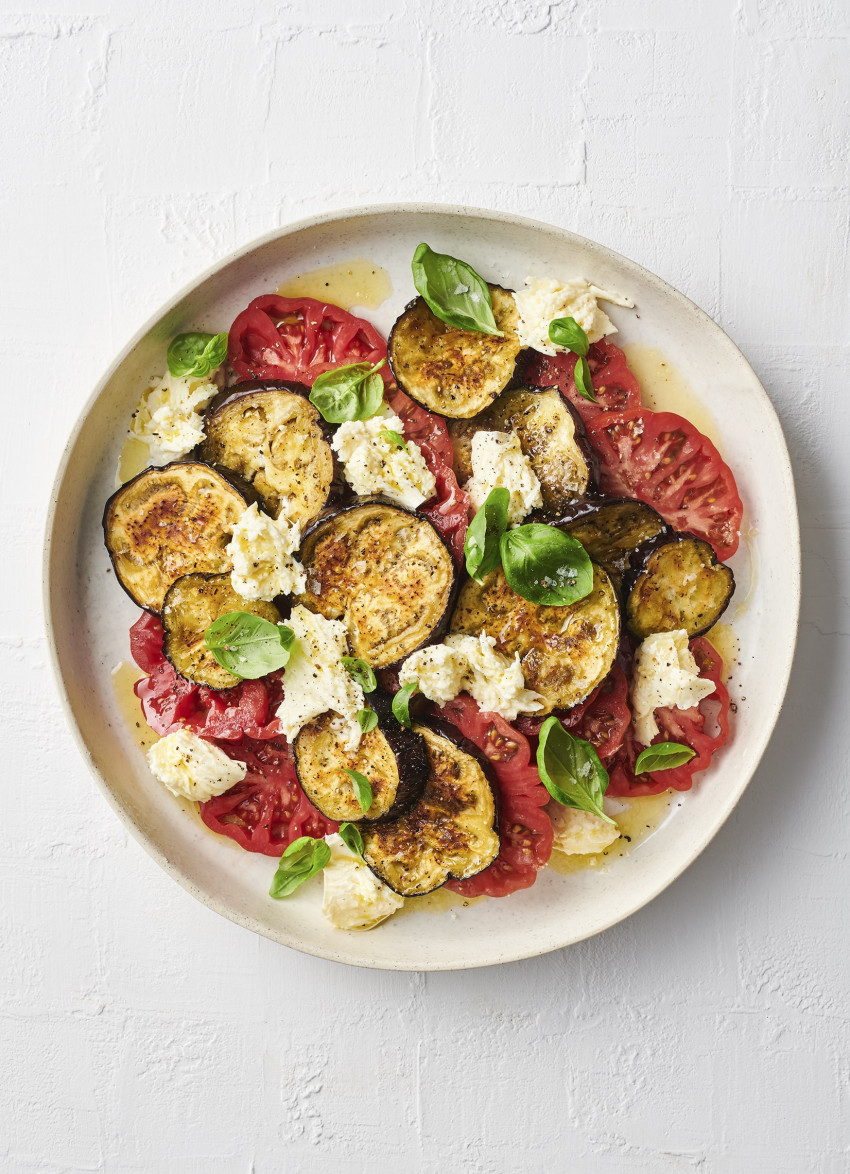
675 583
611 531
386 572
451 832
171 521
392 757
565 652
191 604
454 372
271 435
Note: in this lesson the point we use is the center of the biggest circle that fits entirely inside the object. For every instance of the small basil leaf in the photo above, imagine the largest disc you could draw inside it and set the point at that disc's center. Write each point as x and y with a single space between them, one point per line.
545 565
583 382
361 672
401 703
247 645
481 546
566 332
570 769
196 354
362 788
368 719
352 392
663 756
393 438
453 291
350 836
302 859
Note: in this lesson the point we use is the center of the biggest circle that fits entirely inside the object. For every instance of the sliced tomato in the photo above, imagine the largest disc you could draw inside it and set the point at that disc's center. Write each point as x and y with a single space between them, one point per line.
687 726
524 827
299 339
614 386
662 459
601 719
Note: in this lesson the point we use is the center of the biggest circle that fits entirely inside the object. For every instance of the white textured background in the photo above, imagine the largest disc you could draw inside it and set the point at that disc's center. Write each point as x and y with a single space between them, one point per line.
707 139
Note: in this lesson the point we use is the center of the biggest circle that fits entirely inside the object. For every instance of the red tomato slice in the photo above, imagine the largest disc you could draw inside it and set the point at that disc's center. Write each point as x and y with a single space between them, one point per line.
662 459
299 339
524 826
601 719
678 725
614 386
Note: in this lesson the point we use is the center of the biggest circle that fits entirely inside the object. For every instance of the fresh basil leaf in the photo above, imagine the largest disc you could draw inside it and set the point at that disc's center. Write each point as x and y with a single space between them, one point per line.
570 769
350 836
302 859
663 756
361 672
566 332
393 438
454 291
583 382
481 547
545 565
368 719
352 392
362 788
247 645
401 703
196 354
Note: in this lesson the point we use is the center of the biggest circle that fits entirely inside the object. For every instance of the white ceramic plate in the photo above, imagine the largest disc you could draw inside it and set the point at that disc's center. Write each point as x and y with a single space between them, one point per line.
88 615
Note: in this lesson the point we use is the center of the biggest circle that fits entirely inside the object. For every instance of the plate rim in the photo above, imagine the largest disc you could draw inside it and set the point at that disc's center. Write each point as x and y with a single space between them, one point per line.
293 940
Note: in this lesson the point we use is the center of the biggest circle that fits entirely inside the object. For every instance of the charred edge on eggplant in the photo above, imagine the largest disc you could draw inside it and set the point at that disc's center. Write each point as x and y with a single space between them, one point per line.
677 583
191 604
611 531
168 522
272 436
454 372
392 757
451 832
386 572
565 652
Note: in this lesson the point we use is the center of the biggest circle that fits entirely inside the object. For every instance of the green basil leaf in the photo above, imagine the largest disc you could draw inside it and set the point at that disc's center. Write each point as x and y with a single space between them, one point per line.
481 547
368 719
663 756
352 392
454 291
196 354
401 703
566 332
393 438
583 382
302 859
362 787
361 672
350 836
545 565
247 645
570 769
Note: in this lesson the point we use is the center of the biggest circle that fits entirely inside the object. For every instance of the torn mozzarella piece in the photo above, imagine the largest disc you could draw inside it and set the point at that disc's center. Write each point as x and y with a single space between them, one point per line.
499 462
354 898
471 664
665 675
580 833
543 299
168 419
261 551
372 463
193 768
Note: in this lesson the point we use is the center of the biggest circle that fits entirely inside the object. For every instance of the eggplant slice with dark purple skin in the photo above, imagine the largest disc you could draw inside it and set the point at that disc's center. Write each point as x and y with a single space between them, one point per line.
191 604
272 437
384 571
169 522
451 832
550 435
611 531
454 372
678 583
392 757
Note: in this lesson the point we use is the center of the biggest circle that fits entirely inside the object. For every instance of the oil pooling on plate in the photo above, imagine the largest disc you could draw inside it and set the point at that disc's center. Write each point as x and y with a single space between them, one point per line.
358 282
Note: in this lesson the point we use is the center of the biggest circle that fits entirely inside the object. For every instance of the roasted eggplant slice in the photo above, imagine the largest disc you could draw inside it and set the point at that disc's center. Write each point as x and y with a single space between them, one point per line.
191 604
169 522
454 372
611 532
678 584
392 758
273 437
450 832
565 652
549 435
386 572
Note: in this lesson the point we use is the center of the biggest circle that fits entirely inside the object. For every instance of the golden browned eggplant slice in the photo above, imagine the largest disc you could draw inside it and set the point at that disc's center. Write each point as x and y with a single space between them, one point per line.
678 584
272 437
450 832
386 572
454 372
611 532
565 652
169 522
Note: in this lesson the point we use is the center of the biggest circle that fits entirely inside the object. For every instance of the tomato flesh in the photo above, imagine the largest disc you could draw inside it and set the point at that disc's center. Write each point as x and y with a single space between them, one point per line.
614 386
